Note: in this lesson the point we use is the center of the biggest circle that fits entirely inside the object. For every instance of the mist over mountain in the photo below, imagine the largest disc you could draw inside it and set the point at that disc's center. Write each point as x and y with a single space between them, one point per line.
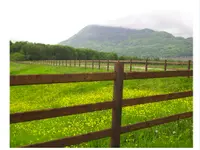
177 23
131 42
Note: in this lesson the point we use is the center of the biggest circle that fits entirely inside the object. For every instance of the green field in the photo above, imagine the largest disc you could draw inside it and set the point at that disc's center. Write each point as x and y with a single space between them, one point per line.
35 97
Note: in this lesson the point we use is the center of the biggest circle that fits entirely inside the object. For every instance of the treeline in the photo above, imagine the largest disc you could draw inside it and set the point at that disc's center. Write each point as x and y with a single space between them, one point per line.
36 51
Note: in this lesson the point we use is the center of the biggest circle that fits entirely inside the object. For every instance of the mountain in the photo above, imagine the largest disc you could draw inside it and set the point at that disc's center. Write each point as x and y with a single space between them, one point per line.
131 42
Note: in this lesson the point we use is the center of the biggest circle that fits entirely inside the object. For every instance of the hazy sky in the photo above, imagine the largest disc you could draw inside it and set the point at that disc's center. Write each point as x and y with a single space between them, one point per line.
52 21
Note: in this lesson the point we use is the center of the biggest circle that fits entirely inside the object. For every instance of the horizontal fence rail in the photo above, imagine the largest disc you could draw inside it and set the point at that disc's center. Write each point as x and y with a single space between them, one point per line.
65 111
156 98
110 61
145 75
107 133
59 78
58 112
155 122
117 103
87 77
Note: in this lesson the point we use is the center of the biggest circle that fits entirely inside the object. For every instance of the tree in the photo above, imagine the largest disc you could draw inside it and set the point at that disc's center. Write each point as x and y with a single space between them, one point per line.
38 51
17 56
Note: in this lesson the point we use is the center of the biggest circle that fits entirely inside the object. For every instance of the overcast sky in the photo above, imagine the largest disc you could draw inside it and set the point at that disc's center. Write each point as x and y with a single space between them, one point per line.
52 21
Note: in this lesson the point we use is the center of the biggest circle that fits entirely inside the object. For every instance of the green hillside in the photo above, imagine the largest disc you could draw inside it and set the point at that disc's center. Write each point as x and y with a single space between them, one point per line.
131 42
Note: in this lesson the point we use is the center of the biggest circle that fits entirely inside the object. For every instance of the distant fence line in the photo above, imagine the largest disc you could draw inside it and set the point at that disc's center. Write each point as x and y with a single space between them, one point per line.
107 64
118 76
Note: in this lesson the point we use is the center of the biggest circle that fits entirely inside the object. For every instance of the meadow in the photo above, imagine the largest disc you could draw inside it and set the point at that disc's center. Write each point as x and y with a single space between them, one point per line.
35 97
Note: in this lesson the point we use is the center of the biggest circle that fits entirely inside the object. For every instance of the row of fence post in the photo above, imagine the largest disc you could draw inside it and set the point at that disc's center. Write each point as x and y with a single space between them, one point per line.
65 63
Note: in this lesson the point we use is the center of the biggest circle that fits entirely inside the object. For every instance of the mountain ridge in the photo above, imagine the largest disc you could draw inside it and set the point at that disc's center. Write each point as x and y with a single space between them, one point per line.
131 42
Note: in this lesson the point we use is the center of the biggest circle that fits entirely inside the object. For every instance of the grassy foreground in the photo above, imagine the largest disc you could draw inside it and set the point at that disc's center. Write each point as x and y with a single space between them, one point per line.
35 97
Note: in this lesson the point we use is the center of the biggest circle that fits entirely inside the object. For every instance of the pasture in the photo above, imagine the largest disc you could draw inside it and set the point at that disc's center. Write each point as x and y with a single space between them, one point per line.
35 97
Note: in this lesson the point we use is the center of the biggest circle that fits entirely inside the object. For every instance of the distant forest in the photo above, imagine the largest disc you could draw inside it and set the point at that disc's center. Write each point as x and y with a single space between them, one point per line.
36 51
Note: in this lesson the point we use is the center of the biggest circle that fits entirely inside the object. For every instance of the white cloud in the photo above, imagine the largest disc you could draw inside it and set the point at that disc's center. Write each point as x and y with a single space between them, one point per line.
175 22
52 21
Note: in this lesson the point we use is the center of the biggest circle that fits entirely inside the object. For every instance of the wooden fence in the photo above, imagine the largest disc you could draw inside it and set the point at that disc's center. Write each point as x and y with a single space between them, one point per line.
109 64
118 76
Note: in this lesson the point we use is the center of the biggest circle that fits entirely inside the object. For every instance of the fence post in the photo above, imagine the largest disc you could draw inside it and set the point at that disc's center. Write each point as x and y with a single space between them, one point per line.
130 65
70 64
117 108
85 64
79 62
99 64
92 64
146 65
108 65
165 67
189 61
75 63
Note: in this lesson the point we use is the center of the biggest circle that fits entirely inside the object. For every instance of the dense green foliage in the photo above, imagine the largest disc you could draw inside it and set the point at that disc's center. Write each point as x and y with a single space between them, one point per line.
38 51
17 56
35 97
130 42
